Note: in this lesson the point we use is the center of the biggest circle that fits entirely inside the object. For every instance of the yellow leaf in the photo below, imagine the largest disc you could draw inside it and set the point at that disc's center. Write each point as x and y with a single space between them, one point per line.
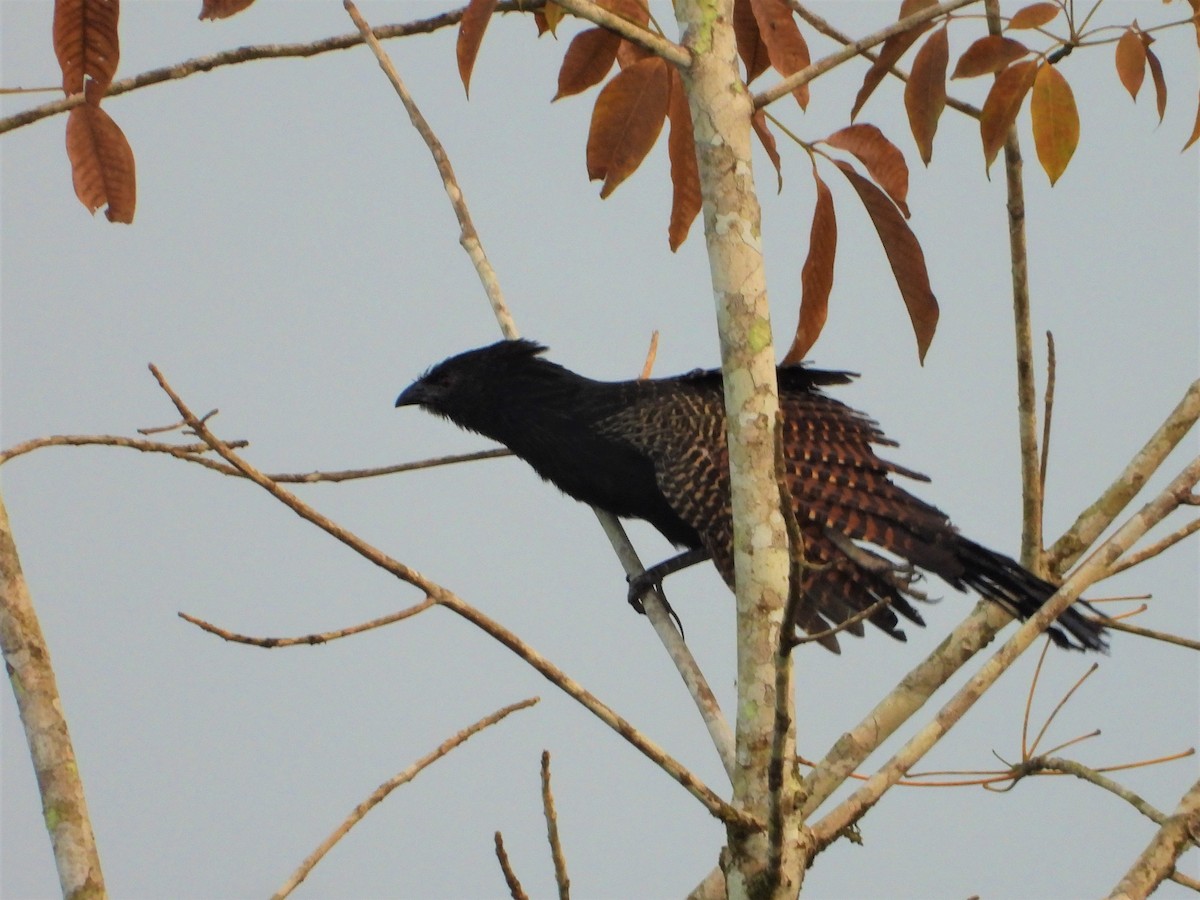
1055 121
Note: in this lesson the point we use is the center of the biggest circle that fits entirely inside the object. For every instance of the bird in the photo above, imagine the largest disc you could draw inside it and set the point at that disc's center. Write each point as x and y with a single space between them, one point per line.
655 449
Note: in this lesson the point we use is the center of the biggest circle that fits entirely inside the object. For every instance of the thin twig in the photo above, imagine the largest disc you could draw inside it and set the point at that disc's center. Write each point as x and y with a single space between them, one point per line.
191 453
655 43
468 237
1187 881
510 877
1092 522
556 851
1164 636
1047 409
323 637
1070 767
717 806
1130 560
357 814
258 51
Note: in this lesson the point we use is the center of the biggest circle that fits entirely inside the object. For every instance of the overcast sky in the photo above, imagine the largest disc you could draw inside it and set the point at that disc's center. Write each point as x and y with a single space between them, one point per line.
295 264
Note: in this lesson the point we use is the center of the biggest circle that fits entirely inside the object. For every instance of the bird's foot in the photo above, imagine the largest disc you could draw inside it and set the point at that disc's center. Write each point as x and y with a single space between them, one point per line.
642 584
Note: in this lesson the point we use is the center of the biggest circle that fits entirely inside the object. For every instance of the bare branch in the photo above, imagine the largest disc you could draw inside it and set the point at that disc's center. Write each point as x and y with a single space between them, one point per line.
672 767
469 237
556 851
1165 637
323 637
821 66
1139 556
183 451
27 659
258 51
510 877
1157 861
1097 517
1070 767
1047 408
1093 568
377 796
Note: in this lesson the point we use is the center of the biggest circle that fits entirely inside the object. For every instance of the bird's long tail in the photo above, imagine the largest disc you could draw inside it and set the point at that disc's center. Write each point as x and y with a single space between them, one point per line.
1023 593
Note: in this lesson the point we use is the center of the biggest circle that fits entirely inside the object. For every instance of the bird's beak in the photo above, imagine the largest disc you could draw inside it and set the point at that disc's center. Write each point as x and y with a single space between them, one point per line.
411 395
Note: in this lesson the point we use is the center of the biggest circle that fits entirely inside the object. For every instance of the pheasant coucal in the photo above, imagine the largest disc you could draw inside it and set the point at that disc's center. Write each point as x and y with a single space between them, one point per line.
655 449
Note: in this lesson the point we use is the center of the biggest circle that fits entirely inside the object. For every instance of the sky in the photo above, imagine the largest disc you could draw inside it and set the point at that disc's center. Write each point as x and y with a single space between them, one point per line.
294 264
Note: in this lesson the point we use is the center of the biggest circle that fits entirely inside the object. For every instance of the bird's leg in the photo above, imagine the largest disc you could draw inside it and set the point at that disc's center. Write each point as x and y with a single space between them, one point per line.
653 576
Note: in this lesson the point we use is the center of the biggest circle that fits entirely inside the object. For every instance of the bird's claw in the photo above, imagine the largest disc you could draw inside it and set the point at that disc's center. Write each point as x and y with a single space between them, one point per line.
642 584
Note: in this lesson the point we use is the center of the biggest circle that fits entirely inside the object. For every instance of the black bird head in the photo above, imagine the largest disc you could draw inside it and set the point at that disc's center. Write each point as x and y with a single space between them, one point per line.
464 382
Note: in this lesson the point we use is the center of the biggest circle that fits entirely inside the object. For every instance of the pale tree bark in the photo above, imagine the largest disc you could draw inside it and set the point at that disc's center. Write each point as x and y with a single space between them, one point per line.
760 863
27 659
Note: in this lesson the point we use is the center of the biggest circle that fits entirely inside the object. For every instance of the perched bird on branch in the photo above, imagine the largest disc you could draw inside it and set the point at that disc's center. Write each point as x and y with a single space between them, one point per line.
655 449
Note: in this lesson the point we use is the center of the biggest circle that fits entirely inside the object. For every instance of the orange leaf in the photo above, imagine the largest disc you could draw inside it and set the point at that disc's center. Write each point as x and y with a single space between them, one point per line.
883 159
1131 61
222 9
548 17
1160 83
474 23
588 59
102 166
904 255
890 52
758 122
626 121
816 278
86 42
925 93
1035 15
786 46
685 175
1055 121
1195 131
1002 105
750 45
990 53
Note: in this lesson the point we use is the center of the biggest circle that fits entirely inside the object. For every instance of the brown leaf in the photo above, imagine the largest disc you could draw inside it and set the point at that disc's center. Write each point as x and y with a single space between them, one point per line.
476 17
925 92
750 45
759 122
890 52
1055 121
905 256
685 174
588 59
990 53
222 9
626 121
883 159
1034 16
816 278
1195 131
86 42
1160 83
1131 61
786 47
1002 105
102 166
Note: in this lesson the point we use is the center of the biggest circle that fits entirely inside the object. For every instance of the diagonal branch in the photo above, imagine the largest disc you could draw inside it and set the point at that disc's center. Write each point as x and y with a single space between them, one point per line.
826 830
556 676
1157 861
377 796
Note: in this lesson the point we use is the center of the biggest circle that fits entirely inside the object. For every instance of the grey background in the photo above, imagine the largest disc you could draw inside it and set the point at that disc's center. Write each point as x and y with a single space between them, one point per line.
294 263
